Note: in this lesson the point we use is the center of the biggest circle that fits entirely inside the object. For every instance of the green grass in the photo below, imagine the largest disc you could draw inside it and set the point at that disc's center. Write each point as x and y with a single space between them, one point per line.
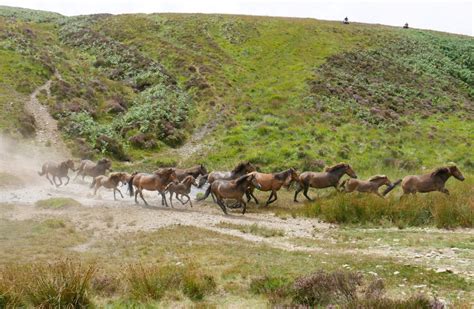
435 209
286 92
57 203
254 229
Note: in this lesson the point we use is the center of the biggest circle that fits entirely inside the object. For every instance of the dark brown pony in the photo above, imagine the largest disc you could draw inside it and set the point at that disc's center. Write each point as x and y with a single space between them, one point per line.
273 182
152 182
371 185
183 188
231 189
434 181
58 170
195 171
89 168
240 170
329 178
111 182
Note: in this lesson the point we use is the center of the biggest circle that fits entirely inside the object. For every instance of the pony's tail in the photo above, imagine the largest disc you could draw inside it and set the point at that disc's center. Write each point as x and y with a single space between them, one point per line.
43 171
206 195
390 188
130 184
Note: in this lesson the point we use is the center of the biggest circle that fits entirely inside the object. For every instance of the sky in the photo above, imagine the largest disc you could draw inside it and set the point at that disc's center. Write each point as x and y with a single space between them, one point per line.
455 16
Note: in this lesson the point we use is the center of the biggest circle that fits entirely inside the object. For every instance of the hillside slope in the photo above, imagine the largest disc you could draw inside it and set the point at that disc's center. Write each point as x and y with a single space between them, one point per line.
277 91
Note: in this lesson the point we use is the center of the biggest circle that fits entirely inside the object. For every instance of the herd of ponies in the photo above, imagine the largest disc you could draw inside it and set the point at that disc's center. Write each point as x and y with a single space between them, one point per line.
241 181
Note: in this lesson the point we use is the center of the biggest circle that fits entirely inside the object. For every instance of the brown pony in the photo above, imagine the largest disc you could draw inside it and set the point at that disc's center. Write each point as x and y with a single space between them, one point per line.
272 182
371 185
240 170
434 181
111 182
329 178
183 188
231 189
89 168
194 171
152 182
58 170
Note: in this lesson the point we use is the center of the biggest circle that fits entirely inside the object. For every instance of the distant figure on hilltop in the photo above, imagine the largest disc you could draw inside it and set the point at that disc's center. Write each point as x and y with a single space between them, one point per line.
405 26
346 21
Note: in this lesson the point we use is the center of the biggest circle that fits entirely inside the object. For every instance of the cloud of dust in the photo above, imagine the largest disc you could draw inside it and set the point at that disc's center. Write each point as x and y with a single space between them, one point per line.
24 159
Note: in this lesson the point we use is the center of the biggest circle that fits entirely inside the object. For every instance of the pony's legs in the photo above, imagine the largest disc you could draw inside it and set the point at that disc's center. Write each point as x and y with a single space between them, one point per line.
54 180
242 203
163 199
221 204
189 200
136 195
119 191
67 181
47 177
249 194
444 190
269 198
141 195
298 190
274 198
114 195
305 193
171 199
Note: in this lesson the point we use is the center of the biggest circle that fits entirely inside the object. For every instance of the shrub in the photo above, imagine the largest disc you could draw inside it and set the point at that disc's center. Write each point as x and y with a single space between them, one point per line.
323 288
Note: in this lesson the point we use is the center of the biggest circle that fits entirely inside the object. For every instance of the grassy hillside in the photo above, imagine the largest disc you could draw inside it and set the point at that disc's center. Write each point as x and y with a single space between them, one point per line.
277 91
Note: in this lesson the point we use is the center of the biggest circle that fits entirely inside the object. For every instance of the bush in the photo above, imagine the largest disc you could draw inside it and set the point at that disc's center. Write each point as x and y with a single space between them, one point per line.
323 288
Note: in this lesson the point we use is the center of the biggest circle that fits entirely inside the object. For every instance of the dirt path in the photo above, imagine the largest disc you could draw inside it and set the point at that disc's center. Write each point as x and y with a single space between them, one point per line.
46 126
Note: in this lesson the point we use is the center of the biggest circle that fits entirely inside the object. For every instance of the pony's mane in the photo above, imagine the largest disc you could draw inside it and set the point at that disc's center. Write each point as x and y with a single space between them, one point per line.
439 170
335 167
377 177
283 175
240 167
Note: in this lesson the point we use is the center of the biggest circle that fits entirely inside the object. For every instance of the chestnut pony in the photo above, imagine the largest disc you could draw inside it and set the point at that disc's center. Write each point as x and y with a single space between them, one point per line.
272 182
152 182
329 178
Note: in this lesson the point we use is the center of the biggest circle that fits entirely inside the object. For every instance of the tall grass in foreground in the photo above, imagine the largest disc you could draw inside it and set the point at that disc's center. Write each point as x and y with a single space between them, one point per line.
151 282
63 284
442 211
